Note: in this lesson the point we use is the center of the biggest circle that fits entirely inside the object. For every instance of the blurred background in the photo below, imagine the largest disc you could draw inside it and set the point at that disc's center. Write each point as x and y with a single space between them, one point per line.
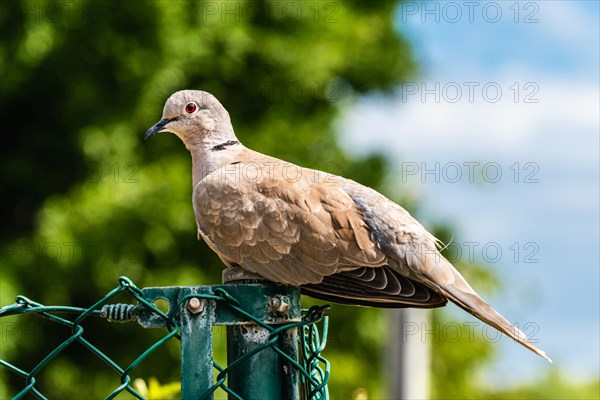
481 118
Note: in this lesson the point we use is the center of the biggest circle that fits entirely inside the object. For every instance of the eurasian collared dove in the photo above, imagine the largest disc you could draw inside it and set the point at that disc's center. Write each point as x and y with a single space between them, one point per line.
337 239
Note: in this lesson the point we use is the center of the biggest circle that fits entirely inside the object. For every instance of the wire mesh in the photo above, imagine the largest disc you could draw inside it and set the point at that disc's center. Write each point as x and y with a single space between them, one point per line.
313 368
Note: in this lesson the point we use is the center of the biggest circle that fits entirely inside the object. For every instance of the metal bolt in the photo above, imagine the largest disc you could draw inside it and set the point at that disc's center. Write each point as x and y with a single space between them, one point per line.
195 305
278 305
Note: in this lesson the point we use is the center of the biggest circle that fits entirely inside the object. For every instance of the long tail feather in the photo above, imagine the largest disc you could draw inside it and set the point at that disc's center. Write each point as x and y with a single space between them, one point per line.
463 295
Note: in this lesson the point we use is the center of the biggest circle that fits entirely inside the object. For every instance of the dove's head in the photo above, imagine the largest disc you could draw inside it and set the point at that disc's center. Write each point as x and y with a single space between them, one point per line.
195 117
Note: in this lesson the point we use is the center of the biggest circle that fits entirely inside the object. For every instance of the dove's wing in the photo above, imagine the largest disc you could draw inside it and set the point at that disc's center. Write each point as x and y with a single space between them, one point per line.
297 226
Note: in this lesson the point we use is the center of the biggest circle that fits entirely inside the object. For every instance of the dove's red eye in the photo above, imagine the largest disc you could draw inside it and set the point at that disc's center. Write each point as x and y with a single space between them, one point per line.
190 108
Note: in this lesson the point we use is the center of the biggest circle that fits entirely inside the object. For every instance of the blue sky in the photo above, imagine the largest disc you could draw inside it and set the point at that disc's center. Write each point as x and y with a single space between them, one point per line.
541 131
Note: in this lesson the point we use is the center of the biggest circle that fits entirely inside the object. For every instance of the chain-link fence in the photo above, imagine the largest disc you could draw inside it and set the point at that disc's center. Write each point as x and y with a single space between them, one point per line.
273 347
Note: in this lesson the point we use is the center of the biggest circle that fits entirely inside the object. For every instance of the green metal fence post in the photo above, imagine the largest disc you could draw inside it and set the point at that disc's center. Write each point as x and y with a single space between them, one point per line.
196 318
267 375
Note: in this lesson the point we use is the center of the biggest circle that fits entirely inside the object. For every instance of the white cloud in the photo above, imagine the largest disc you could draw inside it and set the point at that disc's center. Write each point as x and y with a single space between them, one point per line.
419 127
568 22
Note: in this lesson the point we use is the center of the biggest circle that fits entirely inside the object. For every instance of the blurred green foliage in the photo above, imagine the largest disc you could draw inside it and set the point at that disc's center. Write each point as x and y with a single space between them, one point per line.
553 385
85 200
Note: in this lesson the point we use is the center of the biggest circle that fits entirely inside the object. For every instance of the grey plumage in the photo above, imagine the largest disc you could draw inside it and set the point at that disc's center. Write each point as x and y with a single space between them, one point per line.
335 238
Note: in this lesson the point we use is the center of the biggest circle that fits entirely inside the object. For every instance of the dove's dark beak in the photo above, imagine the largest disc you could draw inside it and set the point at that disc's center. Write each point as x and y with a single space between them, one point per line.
158 127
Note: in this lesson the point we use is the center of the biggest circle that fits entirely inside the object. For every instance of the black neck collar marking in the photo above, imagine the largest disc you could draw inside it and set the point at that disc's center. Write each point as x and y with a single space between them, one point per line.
222 146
